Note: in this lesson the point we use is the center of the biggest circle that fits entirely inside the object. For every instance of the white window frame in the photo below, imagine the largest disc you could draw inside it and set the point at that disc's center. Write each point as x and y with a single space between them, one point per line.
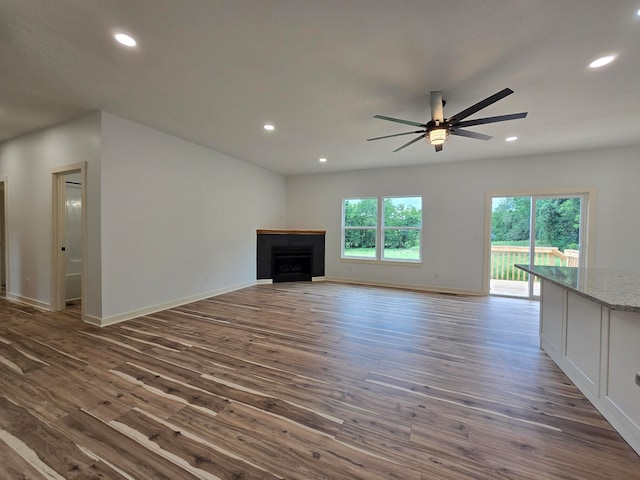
380 230
375 228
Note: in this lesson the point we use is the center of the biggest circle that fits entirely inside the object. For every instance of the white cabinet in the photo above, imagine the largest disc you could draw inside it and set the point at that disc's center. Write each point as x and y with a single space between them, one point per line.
622 393
599 350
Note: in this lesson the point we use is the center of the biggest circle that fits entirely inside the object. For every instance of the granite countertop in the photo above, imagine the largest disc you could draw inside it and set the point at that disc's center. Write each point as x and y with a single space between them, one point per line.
616 289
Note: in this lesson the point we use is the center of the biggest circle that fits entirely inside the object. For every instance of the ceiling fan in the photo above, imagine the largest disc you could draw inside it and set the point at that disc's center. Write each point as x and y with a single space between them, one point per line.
438 129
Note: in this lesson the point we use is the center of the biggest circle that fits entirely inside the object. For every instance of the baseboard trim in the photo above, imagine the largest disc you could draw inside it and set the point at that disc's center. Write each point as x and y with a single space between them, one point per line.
420 288
91 320
104 322
29 301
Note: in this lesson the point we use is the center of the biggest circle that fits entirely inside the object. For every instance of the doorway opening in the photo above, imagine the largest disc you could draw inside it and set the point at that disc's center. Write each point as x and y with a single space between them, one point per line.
534 229
69 238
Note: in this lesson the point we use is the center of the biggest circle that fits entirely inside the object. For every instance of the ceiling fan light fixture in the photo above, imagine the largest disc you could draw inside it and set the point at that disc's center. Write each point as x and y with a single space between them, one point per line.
437 136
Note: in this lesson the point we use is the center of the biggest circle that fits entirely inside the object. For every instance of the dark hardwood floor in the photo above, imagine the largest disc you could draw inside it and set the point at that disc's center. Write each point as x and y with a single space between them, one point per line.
298 381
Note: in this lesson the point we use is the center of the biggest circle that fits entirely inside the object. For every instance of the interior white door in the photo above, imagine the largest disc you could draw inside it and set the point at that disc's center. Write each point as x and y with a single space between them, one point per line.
73 236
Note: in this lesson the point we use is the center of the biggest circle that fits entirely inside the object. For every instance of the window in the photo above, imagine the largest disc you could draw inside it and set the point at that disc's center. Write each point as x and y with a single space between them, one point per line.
360 220
387 228
402 228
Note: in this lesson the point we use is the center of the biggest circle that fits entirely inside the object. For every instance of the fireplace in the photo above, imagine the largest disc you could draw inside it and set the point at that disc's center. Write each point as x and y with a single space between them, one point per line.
290 255
291 264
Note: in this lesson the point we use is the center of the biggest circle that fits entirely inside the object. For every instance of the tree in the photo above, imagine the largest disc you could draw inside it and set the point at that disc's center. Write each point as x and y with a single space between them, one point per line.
360 213
557 221
401 215
510 219
363 212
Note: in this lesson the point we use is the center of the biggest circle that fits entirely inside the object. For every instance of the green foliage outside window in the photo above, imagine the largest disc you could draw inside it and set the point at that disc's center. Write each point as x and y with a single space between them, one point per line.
557 222
401 226
360 212
511 219
399 212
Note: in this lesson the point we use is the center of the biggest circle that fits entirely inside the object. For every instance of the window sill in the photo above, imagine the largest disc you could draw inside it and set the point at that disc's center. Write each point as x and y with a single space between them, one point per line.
403 263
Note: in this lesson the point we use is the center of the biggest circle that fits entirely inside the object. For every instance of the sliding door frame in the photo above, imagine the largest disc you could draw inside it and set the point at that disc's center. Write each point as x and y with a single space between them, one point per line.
533 233
587 249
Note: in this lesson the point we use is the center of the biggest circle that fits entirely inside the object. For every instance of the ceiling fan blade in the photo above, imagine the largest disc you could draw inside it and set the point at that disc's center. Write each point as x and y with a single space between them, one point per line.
467 133
480 105
395 135
438 148
481 121
409 143
398 120
436 107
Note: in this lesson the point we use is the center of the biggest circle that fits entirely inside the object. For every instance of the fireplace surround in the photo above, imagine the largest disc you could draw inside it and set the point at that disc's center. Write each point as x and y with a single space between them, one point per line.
290 255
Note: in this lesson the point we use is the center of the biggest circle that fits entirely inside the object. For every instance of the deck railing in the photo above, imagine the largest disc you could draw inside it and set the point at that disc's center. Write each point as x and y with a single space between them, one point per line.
504 256
572 257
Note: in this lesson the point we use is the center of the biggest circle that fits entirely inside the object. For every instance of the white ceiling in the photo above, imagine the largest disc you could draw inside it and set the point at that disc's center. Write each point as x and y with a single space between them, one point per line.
213 72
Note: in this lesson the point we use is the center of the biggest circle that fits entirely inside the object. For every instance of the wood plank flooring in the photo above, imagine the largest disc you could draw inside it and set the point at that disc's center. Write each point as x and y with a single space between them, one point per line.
298 381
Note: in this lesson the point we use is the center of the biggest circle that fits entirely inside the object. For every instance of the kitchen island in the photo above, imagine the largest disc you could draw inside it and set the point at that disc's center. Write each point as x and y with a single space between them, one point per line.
590 326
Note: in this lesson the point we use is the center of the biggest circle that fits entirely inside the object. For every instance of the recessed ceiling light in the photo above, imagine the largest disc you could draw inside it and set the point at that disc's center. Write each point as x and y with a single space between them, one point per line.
125 39
269 127
602 61
511 139
638 13
322 160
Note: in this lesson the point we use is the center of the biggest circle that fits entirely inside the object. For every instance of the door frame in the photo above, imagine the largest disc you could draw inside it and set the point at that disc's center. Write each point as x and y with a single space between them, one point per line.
5 240
589 220
58 269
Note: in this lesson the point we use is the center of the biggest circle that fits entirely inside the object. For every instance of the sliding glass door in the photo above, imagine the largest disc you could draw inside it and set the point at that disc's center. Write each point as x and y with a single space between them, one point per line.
533 230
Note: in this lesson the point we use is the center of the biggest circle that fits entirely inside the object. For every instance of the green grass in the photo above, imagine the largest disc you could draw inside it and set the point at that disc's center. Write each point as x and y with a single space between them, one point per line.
514 243
360 252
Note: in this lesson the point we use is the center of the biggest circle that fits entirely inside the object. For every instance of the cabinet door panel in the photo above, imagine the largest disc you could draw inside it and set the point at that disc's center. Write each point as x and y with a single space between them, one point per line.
624 362
584 319
551 319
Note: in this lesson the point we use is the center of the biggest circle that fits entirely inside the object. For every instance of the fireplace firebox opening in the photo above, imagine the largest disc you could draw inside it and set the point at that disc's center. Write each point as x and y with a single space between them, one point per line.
291 264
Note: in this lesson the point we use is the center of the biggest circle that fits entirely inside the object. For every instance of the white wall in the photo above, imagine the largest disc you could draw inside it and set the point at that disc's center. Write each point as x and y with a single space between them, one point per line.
27 162
170 221
175 214
453 203
163 214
